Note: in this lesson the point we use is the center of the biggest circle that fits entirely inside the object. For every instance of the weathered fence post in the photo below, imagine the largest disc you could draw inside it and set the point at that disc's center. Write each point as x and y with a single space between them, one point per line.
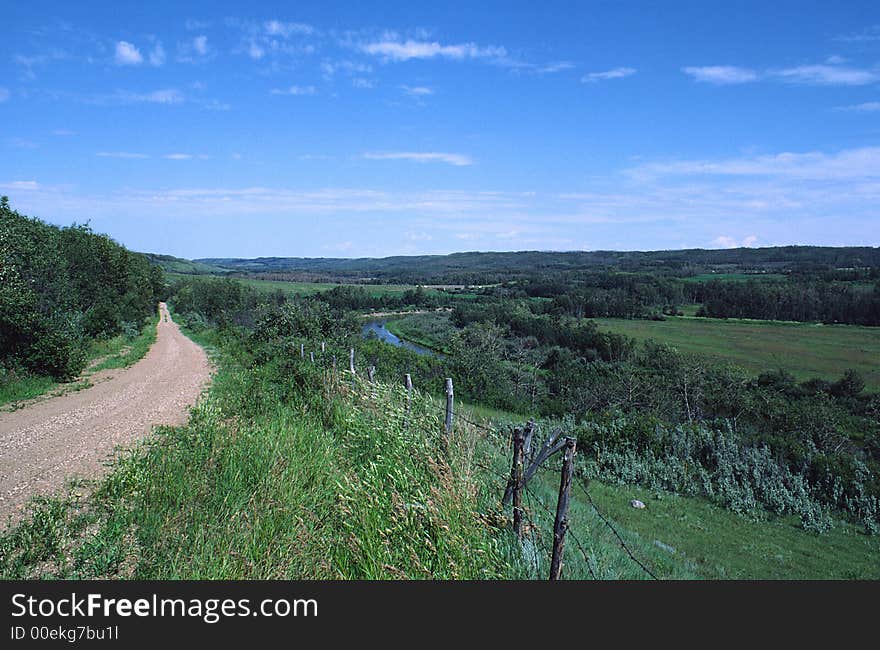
407 383
561 523
371 373
516 480
334 363
450 407
312 357
351 360
323 347
302 350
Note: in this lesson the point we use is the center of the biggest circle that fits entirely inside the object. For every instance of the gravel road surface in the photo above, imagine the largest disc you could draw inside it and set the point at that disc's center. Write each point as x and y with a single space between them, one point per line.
50 441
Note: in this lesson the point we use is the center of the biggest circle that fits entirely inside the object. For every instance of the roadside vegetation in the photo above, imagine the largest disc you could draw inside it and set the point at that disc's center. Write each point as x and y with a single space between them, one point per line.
66 295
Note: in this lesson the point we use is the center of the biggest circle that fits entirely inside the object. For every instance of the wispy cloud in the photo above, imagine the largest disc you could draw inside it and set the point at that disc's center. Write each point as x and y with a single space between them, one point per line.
122 154
614 73
721 74
285 29
195 50
127 54
417 91
827 75
272 39
850 164
866 107
185 156
392 50
163 96
20 186
830 73
459 160
4 94
867 35
157 55
294 90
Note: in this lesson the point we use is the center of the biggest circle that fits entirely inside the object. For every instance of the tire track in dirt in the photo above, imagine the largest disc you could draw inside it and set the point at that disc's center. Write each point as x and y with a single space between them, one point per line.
46 443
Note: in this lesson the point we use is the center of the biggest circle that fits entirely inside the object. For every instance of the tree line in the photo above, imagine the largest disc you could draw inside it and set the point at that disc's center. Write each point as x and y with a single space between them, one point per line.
63 287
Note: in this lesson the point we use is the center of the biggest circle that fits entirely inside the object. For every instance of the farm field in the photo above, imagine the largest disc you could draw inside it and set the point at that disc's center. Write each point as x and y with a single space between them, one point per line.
309 288
804 350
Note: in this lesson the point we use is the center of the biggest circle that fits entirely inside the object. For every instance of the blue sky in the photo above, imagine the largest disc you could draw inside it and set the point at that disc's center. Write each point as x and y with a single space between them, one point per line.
370 129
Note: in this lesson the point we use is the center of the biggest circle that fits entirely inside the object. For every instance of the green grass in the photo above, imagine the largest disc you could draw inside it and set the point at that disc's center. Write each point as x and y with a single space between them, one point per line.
16 387
431 330
276 475
718 544
104 354
805 350
121 351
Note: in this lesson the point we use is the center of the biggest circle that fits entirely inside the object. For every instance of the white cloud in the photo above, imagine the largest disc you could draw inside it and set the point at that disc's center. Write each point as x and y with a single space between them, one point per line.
866 107
278 28
121 154
360 82
178 156
157 55
615 73
459 160
827 75
20 186
164 96
194 25
417 91
403 51
294 90
723 241
200 45
721 74
861 163
196 50
127 54
4 94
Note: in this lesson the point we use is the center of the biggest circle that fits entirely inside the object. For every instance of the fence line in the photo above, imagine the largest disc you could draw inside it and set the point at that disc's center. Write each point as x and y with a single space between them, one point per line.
517 482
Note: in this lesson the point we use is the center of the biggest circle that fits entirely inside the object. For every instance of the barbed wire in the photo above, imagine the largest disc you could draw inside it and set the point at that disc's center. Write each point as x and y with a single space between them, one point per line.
531 495
614 530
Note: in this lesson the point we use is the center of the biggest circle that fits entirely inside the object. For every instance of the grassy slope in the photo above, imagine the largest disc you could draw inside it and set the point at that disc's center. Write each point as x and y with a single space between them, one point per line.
805 350
116 352
428 330
277 477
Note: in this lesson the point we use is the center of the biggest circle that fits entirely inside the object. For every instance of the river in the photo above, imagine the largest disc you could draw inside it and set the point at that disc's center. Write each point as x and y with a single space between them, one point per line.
378 328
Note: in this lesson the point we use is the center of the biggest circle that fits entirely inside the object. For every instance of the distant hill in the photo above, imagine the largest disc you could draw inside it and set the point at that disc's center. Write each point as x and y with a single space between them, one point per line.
476 266
171 264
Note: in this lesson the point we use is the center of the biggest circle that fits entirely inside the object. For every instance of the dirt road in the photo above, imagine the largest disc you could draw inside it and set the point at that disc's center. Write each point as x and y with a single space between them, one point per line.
44 444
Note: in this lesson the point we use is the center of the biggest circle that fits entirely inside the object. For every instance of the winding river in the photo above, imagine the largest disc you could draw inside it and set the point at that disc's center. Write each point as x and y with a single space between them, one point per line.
378 328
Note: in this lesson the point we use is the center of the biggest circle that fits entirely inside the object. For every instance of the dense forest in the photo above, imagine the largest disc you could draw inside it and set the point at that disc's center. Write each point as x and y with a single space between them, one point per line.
61 288
492 267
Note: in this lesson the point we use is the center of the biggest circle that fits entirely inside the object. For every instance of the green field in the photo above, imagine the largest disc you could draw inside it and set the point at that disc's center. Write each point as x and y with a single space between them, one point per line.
309 288
804 350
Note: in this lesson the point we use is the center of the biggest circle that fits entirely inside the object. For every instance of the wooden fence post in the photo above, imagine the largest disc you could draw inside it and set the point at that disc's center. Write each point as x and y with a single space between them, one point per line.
371 373
561 523
312 357
334 363
351 360
407 383
323 347
516 480
450 407
302 350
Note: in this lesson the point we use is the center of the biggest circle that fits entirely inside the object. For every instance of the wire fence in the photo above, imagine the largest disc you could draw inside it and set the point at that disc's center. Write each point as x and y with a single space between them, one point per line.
532 538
